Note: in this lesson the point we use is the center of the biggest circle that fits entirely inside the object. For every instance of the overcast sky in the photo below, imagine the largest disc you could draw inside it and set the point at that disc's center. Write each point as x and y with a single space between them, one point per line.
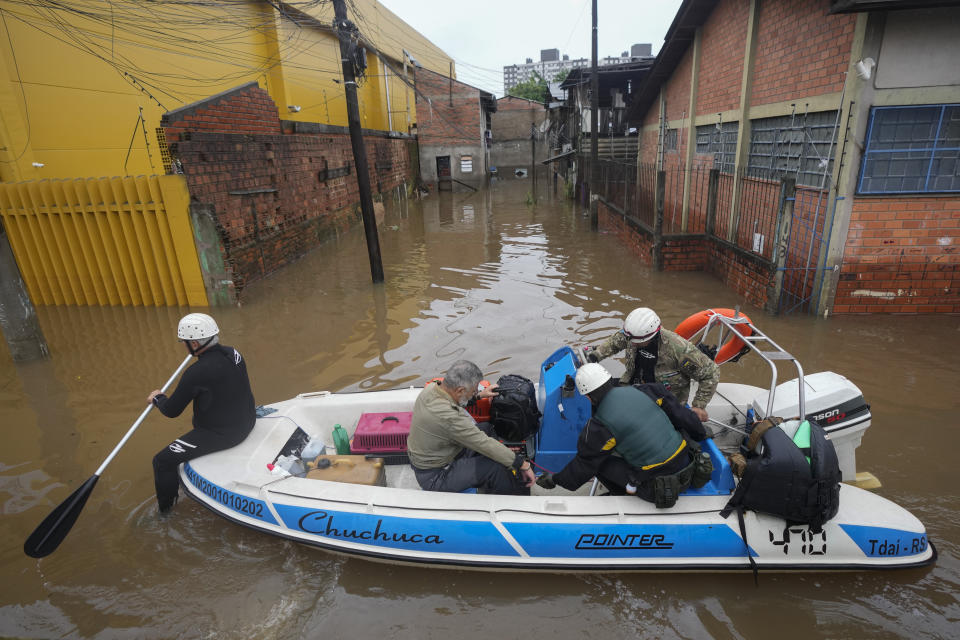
489 35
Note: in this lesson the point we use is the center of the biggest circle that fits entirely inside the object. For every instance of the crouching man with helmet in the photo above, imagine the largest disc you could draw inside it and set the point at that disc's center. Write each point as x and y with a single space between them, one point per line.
657 355
632 443
223 408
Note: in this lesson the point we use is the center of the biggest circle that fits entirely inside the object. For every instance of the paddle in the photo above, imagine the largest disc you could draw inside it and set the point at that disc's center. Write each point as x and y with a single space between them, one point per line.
50 533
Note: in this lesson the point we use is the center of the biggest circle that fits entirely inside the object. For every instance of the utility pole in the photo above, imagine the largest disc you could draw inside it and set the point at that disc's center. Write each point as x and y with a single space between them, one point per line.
533 159
346 32
594 125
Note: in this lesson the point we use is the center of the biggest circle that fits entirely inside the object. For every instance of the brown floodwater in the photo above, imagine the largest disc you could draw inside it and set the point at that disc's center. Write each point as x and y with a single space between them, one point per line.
481 276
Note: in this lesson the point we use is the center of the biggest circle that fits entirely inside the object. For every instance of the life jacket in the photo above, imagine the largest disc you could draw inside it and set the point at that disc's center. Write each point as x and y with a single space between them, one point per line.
644 434
800 485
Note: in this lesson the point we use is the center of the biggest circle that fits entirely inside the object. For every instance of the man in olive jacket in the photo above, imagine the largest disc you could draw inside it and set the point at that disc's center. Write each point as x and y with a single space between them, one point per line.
449 451
654 354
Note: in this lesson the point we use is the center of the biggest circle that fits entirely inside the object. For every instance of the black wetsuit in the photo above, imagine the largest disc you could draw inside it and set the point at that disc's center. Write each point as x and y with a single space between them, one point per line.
223 414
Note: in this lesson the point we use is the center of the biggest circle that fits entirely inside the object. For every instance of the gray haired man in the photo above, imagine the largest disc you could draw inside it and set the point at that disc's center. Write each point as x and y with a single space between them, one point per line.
449 451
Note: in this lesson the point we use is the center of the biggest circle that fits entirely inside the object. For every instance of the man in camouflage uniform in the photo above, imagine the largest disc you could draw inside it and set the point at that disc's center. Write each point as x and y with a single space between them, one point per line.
663 356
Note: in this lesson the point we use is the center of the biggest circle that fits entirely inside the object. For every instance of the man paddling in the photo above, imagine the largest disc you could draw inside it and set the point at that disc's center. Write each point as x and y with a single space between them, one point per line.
223 408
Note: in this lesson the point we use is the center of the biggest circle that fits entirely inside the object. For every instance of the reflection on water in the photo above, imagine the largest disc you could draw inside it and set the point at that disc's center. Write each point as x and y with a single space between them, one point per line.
478 276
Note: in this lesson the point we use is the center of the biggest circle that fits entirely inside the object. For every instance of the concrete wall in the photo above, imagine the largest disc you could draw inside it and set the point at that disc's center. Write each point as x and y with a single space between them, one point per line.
451 124
920 48
511 128
428 163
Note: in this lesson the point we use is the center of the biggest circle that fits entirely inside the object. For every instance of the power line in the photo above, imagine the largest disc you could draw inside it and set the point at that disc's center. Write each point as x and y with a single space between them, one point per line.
26 109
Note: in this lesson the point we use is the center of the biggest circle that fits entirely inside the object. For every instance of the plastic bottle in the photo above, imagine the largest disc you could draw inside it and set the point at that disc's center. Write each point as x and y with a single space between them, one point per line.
312 449
291 465
341 440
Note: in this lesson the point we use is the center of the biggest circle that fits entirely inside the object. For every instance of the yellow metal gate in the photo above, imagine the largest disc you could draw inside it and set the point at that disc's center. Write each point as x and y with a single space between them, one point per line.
104 241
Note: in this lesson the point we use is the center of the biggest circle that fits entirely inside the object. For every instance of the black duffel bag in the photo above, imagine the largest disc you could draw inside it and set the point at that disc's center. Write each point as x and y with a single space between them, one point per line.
513 411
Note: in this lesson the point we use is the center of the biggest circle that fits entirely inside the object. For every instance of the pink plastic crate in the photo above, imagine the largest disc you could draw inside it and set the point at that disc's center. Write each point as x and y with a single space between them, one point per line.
382 433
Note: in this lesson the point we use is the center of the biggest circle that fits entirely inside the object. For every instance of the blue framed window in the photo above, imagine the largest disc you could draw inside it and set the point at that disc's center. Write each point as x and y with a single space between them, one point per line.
912 150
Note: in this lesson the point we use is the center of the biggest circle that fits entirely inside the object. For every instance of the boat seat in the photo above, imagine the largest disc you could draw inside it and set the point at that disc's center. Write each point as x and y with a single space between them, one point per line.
721 480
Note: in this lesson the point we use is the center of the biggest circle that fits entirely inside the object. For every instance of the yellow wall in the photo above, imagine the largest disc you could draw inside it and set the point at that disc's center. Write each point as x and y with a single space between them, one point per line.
75 85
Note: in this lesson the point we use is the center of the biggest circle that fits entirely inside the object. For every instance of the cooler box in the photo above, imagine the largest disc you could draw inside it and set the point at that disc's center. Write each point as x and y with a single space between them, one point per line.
352 469
383 435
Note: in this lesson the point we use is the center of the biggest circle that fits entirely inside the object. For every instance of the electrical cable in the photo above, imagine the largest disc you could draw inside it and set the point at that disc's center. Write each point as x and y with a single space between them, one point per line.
26 109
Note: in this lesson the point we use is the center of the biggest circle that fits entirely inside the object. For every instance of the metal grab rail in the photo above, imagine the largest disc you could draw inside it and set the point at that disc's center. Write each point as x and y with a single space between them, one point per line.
728 328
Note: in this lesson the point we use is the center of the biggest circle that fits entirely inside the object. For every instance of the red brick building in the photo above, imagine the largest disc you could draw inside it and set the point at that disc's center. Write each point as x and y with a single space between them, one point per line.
832 130
453 129
265 191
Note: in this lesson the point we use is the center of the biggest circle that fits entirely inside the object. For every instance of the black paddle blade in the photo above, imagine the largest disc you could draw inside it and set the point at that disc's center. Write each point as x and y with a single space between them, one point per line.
47 537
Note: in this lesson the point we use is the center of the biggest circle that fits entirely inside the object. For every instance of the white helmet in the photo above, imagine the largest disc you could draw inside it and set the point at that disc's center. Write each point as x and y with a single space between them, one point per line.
590 377
641 325
197 326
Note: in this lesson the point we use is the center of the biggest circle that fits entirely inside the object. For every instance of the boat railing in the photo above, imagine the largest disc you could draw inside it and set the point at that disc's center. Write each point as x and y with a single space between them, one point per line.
762 345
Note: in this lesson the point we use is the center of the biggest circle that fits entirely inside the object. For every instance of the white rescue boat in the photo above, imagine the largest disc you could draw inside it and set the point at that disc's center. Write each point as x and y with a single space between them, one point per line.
555 530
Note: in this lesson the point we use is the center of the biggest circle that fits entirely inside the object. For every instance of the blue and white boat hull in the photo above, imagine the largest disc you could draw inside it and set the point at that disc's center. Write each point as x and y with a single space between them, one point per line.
550 531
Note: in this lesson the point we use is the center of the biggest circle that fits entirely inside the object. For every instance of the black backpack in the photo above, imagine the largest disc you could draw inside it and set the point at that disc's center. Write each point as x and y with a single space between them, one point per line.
513 411
781 482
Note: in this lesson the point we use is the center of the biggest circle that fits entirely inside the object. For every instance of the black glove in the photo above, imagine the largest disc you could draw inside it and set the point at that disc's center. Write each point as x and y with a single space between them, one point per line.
546 481
592 356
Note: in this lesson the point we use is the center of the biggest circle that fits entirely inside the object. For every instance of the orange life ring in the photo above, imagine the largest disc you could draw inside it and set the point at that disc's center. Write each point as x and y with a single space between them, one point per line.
698 321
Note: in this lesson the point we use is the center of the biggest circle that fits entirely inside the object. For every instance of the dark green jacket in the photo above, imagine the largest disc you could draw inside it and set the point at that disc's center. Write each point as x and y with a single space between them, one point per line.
644 435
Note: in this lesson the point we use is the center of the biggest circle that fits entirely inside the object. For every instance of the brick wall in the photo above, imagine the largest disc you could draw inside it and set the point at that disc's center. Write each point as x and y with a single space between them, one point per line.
513 103
633 236
685 253
235 142
801 50
901 257
513 118
677 88
439 122
749 277
648 143
721 57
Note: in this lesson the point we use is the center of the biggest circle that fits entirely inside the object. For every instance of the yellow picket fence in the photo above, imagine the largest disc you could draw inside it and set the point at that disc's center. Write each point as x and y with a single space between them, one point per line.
104 241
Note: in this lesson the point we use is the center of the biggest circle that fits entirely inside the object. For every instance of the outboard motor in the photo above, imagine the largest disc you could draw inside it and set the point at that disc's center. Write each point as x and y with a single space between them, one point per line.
832 401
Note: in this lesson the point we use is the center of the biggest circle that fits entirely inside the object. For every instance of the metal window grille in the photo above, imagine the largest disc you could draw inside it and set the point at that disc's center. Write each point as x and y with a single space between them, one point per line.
721 141
912 150
670 140
799 145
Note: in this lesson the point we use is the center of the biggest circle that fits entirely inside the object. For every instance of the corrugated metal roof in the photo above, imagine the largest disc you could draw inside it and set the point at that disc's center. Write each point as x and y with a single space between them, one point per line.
858 6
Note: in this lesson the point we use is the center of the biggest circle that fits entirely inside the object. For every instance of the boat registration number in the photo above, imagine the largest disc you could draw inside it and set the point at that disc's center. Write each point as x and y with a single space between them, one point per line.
241 504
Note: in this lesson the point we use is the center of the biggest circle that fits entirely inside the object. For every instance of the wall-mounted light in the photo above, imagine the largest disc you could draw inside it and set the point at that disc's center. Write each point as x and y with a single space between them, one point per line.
294 108
865 68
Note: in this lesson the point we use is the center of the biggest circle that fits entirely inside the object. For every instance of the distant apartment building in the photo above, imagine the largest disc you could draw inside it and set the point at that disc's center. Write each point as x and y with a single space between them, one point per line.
552 63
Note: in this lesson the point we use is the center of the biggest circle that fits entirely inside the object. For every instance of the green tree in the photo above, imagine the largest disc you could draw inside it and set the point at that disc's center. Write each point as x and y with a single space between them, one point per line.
533 89
560 77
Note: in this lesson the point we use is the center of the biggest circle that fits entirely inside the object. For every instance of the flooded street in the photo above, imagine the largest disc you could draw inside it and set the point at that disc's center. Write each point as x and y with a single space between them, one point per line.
481 276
